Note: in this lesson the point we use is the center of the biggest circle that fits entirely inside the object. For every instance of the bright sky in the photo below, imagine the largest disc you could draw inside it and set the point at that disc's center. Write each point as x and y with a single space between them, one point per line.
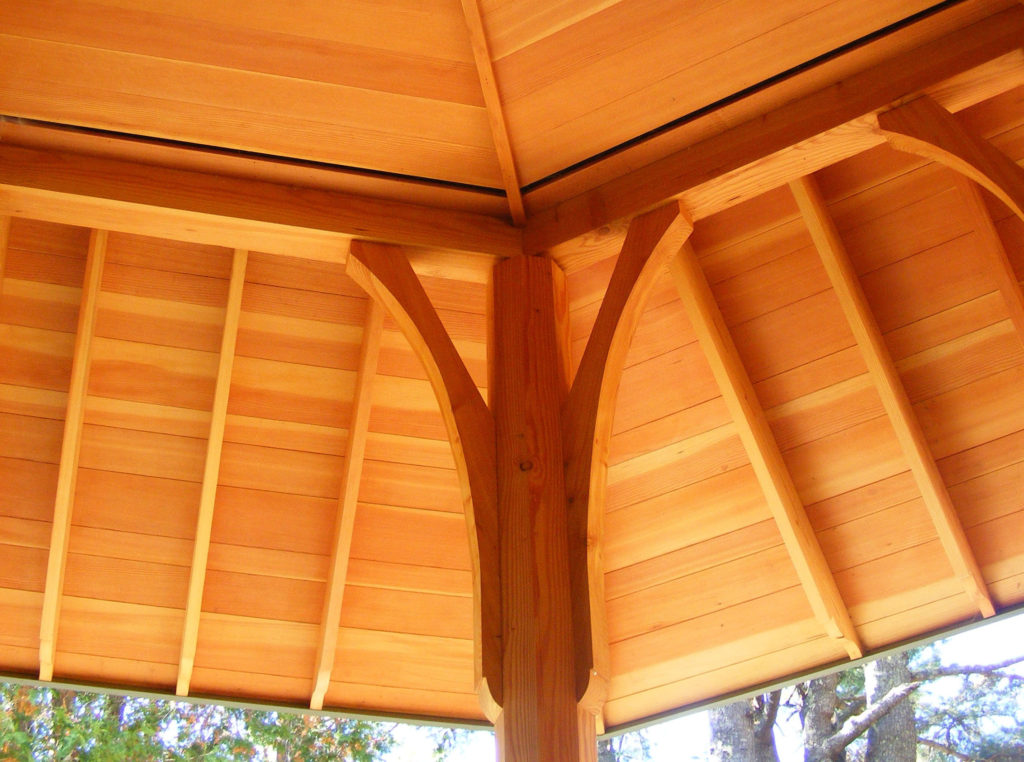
686 739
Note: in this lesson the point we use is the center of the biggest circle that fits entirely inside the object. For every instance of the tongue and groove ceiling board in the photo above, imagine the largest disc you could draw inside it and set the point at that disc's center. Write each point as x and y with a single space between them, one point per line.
225 470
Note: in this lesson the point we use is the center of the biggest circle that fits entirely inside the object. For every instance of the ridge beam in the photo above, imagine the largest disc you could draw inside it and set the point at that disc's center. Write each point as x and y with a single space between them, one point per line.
763 450
355 449
67 476
894 397
211 475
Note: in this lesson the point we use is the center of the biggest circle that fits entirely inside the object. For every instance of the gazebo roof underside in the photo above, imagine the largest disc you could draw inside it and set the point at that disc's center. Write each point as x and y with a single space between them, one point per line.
174 174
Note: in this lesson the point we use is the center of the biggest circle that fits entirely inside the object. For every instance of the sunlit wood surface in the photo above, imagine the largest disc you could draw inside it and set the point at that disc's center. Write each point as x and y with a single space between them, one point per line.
762 512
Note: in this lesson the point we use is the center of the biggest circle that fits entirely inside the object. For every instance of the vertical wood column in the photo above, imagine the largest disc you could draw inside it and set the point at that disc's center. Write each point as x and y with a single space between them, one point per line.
540 719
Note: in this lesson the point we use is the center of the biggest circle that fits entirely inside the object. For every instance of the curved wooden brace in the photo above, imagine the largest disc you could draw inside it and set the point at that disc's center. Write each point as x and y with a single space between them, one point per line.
652 240
924 128
384 272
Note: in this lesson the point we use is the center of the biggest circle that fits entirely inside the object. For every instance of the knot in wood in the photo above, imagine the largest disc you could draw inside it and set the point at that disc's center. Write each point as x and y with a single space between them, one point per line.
525 465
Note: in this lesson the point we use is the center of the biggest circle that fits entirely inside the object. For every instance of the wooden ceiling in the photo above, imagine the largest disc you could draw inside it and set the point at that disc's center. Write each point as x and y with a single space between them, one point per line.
224 469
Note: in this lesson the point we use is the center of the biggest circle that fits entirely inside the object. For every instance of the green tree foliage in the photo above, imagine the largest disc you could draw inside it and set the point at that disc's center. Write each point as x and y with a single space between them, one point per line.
49 724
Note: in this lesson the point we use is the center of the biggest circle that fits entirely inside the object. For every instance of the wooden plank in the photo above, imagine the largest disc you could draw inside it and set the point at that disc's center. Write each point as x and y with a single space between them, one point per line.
355 449
925 128
191 206
894 397
992 247
495 108
539 684
763 450
211 473
587 423
69 456
5 229
385 273
702 164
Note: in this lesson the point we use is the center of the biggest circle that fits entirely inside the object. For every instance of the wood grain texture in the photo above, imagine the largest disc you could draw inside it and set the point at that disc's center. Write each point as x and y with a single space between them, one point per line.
211 475
495 108
894 397
538 712
755 140
223 211
925 128
355 449
776 482
69 456
652 240
385 273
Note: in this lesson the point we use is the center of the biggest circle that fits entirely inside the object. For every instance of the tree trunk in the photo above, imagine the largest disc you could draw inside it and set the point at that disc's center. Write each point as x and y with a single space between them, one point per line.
893 738
740 732
819 718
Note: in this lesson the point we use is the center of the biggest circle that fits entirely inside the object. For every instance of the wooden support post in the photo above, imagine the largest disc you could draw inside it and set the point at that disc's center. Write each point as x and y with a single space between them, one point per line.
540 719
69 452
991 246
211 474
894 397
762 449
352 471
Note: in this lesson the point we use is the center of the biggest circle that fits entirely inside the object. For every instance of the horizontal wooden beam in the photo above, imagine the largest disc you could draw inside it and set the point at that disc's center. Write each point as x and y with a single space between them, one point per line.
890 388
766 459
224 211
750 145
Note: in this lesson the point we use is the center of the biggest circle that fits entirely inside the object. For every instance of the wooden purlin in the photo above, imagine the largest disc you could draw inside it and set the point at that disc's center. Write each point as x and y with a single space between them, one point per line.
894 397
355 449
750 144
765 457
992 245
384 272
495 110
211 474
652 240
70 448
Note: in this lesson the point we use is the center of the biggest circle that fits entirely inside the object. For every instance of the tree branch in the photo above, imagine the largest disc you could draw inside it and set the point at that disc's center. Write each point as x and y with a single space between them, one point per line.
855 726
947 750
954 670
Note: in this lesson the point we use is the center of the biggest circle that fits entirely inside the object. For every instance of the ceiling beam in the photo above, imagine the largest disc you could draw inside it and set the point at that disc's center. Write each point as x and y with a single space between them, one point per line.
653 239
763 450
894 397
992 247
211 474
225 211
752 145
67 474
495 110
355 449
385 274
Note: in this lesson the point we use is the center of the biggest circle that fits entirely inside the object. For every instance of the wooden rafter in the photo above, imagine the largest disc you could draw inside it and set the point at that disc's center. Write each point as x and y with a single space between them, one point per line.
894 397
653 239
992 247
355 448
751 144
385 274
70 448
211 474
495 110
765 457
223 211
